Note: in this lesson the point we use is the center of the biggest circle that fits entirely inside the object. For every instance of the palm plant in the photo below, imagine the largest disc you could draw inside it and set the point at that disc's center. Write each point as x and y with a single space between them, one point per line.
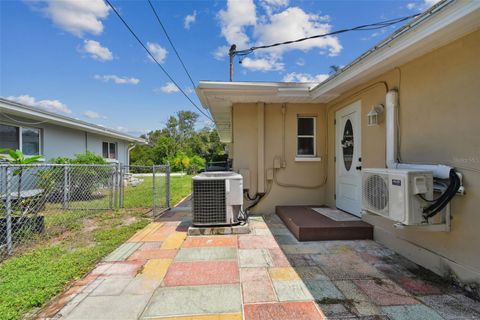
16 157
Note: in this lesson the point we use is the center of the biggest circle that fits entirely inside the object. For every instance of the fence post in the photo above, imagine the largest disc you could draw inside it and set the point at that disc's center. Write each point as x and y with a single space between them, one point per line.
154 191
9 211
167 186
65 187
122 186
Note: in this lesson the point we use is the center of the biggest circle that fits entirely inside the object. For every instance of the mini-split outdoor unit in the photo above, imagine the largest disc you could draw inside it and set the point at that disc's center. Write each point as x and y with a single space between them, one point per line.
397 194
217 198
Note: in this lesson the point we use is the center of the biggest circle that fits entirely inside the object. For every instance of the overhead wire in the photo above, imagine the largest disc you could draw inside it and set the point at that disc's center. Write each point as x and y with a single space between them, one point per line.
170 40
156 61
371 26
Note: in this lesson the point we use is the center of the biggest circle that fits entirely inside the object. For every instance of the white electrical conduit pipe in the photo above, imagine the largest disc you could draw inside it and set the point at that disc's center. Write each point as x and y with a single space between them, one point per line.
391 100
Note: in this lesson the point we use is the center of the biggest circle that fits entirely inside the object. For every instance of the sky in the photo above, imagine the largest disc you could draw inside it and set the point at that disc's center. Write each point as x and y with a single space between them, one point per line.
76 58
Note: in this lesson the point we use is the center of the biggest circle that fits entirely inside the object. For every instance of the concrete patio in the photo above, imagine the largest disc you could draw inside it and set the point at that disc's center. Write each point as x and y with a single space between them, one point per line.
160 273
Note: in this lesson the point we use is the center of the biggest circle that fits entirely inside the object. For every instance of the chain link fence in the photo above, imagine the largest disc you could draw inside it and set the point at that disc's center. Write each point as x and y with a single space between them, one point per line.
39 201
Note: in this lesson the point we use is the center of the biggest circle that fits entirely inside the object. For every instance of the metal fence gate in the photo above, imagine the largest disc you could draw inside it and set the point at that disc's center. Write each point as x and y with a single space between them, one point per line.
39 201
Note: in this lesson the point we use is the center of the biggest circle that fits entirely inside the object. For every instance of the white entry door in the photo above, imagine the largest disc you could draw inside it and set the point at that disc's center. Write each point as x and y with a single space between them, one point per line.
349 159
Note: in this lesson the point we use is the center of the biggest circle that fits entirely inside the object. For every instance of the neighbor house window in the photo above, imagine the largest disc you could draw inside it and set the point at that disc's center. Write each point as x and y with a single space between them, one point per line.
109 150
25 139
306 136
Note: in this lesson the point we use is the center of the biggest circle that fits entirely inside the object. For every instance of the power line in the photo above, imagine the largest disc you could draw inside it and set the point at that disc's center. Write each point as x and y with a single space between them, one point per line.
171 43
154 59
372 26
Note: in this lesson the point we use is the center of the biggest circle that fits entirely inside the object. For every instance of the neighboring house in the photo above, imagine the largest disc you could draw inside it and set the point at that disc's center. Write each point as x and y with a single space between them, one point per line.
289 139
34 131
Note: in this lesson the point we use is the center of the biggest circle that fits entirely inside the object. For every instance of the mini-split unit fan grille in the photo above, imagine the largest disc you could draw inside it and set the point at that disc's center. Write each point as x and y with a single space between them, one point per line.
375 193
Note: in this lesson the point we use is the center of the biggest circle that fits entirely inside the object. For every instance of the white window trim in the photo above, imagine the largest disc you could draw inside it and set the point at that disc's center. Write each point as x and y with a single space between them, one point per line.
116 151
308 157
20 139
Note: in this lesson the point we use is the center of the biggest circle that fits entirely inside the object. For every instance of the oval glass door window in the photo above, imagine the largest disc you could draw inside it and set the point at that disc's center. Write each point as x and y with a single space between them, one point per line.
347 145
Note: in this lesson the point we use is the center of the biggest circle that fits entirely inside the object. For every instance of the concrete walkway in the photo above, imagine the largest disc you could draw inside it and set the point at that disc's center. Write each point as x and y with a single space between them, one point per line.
160 273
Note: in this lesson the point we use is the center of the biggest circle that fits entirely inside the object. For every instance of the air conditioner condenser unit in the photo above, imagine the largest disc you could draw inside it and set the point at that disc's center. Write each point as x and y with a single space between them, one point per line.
397 194
217 198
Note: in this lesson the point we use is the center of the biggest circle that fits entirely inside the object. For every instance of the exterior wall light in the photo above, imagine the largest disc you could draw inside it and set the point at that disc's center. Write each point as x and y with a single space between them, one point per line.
372 116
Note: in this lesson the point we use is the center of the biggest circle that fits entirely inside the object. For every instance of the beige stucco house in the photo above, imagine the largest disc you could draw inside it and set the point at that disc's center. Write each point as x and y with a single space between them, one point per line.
286 138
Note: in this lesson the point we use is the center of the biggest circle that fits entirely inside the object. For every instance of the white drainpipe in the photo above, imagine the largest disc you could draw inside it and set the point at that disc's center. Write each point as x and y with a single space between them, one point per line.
391 100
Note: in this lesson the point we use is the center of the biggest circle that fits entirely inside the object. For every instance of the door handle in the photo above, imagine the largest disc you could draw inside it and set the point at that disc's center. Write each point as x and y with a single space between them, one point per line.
358 168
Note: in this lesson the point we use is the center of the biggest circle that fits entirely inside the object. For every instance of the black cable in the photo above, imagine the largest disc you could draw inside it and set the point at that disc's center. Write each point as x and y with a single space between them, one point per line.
171 43
372 26
445 198
158 64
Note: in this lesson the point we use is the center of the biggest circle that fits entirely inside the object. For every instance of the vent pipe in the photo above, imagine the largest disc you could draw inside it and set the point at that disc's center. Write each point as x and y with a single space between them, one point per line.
391 100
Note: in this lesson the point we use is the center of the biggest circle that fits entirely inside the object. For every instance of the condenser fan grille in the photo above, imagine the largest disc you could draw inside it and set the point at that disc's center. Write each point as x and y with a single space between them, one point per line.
376 192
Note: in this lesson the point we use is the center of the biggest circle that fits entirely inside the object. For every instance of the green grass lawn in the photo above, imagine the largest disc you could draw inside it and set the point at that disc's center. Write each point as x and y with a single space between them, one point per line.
80 239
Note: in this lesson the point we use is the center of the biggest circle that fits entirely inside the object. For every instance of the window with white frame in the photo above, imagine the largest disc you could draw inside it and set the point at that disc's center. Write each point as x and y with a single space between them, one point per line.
26 139
109 150
306 140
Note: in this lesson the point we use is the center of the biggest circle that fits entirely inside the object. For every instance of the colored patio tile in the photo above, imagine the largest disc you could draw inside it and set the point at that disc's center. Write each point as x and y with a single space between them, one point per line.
197 300
258 291
202 273
279 259
250 258
224 316
385 292
311 273
346 266
302 260
280 231
284 239
292 290
416 286
305 248
337 311
147 254
141 285
285 273
140 235
151 245
109 307
124 268
323 290
262 232
123 252
361 301
451 308
159 234
174 240
411 312
213 253
111 287
256 242
282 310
256 285
155 269
211 241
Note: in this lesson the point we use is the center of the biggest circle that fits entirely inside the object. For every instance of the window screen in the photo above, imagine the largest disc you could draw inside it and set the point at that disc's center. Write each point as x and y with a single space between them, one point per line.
306 136
113 150
9 137
105 150
30 141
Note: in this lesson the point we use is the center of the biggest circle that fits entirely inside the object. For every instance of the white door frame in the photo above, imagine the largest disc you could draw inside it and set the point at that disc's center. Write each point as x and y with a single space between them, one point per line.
348 182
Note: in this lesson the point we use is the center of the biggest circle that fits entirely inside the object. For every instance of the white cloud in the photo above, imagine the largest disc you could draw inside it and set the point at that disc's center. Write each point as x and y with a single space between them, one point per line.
262 64
159 52
169 87
235 19
190 19
93 115
48 105
295 24
422 5
300 62
241 25
97 51
117 79
76 16
221 52
304 77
